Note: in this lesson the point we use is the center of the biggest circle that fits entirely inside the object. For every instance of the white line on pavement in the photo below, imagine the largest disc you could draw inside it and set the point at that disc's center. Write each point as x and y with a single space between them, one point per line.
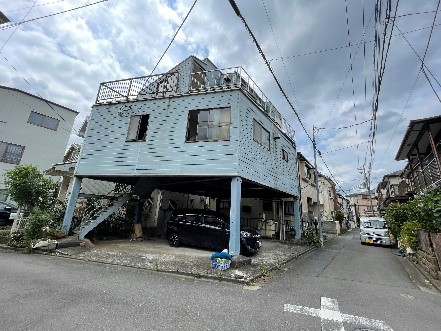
332 319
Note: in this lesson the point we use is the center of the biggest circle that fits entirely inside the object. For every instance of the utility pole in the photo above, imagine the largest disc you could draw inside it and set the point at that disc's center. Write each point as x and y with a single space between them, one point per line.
317 186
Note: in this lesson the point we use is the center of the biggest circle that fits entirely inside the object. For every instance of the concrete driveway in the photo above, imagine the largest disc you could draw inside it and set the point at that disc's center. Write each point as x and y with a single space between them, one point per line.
156 254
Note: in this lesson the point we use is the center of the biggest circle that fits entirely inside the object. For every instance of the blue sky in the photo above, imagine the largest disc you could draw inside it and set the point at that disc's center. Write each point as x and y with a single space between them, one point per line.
65 57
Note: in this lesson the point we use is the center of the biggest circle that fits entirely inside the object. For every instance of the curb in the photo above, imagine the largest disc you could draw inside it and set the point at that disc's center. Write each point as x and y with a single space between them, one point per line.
221 278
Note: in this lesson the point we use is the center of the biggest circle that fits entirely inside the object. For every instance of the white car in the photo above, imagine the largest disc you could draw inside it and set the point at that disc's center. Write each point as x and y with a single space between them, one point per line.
373 230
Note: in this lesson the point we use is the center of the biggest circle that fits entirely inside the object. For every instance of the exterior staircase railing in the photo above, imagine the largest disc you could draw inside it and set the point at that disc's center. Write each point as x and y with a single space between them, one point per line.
104 207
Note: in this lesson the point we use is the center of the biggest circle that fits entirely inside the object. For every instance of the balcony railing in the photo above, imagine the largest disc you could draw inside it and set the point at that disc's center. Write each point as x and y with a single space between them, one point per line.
237 77
155 86
428 177
168 84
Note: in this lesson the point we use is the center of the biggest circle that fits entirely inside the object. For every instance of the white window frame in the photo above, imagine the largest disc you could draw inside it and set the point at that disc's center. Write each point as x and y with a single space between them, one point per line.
11 153
137 130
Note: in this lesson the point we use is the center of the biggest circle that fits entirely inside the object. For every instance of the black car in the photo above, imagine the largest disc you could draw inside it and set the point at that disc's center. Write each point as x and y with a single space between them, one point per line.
209 229
6 209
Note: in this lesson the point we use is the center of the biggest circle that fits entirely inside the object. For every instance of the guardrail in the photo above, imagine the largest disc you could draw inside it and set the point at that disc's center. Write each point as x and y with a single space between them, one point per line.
164 85
155 86
239 78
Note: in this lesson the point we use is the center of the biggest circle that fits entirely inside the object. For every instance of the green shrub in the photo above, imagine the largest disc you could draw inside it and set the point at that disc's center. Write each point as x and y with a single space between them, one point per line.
40 225
16 239
396 215
409 234
339 216
311 238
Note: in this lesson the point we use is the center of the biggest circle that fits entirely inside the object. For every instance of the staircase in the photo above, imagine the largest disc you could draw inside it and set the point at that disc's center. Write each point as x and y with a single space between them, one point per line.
101 214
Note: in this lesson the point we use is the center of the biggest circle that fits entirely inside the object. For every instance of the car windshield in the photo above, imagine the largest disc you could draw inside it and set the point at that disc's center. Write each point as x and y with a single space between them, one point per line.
375 224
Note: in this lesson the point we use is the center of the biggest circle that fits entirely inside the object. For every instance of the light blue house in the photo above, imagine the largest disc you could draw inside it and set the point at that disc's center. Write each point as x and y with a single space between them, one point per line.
197 130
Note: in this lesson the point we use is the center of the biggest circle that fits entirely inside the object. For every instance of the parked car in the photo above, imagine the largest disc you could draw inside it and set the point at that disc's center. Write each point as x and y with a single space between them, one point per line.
6 209
373 230
209 229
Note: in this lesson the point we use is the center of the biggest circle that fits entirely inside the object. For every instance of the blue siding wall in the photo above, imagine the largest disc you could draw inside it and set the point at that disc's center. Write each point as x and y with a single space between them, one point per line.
165 152
259 164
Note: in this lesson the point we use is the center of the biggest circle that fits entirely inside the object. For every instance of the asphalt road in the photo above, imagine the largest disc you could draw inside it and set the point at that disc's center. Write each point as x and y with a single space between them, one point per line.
345 286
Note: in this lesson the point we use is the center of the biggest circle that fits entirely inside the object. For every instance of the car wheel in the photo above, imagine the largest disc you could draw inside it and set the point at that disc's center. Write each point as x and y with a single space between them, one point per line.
174 240
362 242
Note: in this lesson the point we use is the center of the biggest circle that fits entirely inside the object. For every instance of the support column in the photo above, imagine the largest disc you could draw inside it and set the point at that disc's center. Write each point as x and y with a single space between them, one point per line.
297 218
71 202
236 186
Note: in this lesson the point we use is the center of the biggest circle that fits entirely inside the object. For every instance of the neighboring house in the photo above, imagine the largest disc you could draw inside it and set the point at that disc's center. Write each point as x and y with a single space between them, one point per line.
393 188
421 147
343 204
328 198
308 190
364 204
33 131
194 130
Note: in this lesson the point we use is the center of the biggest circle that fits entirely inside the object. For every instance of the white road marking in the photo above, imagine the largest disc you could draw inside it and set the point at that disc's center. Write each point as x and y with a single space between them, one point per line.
332 319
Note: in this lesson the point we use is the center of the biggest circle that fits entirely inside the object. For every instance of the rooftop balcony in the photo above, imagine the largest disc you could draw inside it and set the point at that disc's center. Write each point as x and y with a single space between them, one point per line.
175 84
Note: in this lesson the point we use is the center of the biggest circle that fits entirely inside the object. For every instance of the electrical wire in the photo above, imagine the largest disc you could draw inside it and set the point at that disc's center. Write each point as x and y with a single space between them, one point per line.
424 67
50 15
430 36
237 11
10 36
172 40
39 5
347 147
280 54
317 52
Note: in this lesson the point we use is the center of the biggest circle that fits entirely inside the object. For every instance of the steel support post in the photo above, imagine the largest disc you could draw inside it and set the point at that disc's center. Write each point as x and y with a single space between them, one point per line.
236 187
297 218
71 202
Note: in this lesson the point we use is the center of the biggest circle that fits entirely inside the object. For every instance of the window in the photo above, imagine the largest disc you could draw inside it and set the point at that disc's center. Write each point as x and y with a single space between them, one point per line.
10 153
261 135
214 221
209 124
137 128
43 121
285 155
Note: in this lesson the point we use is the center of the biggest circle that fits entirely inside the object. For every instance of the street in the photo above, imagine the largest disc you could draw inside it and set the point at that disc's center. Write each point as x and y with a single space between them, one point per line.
345 286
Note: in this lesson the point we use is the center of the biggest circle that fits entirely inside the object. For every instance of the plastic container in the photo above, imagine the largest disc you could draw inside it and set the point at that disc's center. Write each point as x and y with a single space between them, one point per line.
220 264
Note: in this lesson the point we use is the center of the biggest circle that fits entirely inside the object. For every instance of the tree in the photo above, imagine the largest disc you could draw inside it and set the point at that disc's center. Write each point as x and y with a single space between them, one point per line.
339 216
29 188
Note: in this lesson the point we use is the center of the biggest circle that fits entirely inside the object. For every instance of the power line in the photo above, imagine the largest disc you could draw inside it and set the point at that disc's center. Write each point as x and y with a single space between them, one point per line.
351 65
348 126
410 14
54 14
237 11
280 54
347 147
430 36
10 36
424 68
171 41
42 4
316 52
379 68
